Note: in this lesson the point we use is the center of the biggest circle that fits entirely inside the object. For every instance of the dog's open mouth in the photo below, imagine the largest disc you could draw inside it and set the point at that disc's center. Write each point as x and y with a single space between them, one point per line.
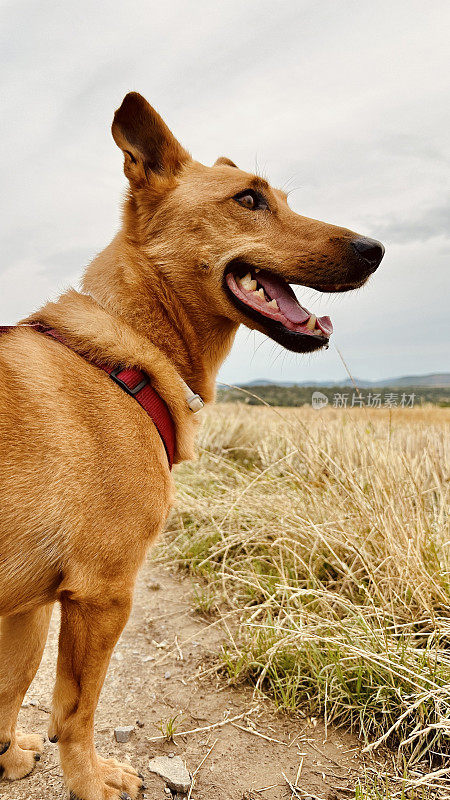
268 299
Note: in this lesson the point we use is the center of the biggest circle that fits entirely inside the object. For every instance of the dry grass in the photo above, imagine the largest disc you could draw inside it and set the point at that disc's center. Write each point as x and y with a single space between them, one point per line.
326 533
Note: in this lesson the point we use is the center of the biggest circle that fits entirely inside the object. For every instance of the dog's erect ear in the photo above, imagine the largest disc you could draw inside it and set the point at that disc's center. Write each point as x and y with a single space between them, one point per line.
148 145
223 161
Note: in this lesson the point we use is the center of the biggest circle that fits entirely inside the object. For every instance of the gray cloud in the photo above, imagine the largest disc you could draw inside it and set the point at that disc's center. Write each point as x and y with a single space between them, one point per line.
430 223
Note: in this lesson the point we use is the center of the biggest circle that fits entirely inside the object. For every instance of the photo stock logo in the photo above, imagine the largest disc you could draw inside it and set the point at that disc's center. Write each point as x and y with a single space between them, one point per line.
319 400
357 400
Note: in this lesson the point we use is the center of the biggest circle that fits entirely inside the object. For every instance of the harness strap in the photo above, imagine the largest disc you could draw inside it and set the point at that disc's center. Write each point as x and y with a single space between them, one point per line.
135 383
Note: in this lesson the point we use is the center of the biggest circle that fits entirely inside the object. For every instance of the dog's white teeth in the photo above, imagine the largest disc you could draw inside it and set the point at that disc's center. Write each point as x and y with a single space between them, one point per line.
245 280
248 283
311 324
260 293
273 304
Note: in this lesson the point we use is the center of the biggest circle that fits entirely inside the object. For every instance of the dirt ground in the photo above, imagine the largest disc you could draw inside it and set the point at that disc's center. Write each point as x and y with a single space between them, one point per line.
158 672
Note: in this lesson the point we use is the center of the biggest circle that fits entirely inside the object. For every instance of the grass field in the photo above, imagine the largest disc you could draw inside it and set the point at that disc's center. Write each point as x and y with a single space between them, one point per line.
321 538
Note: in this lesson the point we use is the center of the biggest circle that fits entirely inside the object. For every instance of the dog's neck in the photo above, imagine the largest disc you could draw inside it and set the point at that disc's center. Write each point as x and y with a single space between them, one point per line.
125 282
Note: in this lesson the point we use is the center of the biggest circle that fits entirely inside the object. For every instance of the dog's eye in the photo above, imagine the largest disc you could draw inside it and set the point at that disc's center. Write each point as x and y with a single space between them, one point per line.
252 200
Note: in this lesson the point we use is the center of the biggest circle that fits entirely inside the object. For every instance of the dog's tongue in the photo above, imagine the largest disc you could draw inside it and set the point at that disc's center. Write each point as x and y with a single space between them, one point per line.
287 302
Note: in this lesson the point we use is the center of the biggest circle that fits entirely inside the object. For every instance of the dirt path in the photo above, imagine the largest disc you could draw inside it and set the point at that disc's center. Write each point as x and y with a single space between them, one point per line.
148 681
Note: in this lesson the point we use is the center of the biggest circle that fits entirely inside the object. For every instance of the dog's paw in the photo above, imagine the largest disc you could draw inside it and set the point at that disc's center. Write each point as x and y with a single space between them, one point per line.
122 796
21 756
118 781
120 775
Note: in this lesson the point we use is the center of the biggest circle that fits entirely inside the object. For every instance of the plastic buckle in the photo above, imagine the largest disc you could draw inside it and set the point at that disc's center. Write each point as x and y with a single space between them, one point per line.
114 375
195 403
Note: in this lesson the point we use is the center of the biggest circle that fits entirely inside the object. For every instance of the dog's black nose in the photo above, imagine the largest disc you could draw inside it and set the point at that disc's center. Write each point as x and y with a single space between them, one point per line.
370 251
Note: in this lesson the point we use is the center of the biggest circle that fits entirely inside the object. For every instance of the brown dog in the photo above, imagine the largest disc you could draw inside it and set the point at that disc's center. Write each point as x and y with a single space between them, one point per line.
85 485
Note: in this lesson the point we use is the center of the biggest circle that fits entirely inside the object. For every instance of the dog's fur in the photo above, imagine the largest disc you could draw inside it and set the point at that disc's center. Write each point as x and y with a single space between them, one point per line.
84 481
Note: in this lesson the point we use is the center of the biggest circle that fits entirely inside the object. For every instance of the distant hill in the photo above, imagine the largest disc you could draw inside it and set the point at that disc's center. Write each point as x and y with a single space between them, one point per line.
438 380
433 380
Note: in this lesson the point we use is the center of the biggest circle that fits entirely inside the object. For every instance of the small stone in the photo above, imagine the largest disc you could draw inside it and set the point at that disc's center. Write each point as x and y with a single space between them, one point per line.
123 734
172 771
118 656
167 674
160 645
167 790
139 723
171 755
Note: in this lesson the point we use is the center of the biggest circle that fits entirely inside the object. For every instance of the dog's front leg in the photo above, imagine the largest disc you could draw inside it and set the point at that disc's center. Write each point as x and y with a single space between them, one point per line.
22 641
89 631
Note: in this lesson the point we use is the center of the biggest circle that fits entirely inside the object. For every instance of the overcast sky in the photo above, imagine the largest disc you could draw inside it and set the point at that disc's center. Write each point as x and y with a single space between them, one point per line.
344 102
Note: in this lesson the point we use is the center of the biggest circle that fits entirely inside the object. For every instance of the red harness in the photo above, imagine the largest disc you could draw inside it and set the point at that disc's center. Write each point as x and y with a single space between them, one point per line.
135 383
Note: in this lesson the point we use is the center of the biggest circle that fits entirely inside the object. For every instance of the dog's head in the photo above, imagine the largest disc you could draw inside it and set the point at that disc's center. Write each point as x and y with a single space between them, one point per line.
226 241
